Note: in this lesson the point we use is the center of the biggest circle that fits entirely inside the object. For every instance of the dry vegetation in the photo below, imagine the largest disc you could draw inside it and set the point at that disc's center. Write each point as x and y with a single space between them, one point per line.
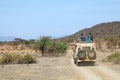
108 42
20 51
114 57
106 37
17 59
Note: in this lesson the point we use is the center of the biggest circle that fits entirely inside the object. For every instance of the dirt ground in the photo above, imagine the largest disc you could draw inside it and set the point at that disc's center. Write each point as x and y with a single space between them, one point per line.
61 68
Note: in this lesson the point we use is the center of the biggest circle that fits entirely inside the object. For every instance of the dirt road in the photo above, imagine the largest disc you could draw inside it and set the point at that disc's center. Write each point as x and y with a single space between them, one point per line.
97 72
57 68
101 71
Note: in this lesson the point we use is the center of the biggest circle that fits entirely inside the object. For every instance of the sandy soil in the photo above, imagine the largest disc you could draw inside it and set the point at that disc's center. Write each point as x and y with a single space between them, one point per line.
60 68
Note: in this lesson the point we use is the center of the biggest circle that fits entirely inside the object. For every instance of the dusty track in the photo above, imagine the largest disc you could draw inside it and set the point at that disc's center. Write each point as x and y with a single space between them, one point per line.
97 72
57 68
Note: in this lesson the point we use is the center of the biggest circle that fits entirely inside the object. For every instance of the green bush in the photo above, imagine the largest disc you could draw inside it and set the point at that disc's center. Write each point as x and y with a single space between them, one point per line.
57 48
50 47
17 59
115 57
43 44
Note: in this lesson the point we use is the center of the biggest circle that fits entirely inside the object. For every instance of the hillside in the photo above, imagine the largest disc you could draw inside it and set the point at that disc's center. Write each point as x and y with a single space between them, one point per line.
99 30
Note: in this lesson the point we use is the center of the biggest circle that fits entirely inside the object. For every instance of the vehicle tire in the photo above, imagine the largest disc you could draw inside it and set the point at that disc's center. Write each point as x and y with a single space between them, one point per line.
77 63
81 54
74 61
91 54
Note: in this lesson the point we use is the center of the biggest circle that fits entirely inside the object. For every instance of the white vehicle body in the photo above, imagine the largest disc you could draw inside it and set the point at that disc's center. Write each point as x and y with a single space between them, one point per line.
84 52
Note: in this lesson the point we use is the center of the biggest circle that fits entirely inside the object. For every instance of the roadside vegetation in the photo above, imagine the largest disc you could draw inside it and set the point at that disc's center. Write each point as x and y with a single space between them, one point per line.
50 47
8 58
45 45
108 42
114 57
112 42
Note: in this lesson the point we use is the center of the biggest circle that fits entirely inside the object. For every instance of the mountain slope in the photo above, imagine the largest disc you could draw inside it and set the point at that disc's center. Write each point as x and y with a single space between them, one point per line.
99 30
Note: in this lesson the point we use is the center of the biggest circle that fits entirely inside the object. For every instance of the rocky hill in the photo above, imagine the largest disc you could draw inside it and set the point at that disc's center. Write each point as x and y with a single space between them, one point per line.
99 30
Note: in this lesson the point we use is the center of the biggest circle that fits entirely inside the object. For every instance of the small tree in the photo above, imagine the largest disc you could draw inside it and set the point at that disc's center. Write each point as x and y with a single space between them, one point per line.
43 44
50 47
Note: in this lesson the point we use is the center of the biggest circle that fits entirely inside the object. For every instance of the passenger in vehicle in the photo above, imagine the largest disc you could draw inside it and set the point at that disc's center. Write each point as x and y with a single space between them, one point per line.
90 38
82 38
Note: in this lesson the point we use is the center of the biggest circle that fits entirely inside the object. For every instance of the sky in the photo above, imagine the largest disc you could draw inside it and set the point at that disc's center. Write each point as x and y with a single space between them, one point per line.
30 19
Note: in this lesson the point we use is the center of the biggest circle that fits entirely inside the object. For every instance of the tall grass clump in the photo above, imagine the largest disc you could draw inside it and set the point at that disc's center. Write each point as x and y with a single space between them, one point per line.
17 59
115 57
27 59
6 59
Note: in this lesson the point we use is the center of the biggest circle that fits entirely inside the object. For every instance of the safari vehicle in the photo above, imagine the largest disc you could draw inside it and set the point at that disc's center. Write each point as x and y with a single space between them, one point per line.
84 53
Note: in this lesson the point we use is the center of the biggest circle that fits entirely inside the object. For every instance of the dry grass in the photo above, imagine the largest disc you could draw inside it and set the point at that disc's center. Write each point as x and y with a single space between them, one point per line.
17 59
114 57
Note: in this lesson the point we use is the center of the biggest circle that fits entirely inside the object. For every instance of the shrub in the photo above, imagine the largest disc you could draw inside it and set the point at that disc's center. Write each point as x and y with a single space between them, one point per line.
43 43
17 59
50 47
29 59
57 48
6 59
115 57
